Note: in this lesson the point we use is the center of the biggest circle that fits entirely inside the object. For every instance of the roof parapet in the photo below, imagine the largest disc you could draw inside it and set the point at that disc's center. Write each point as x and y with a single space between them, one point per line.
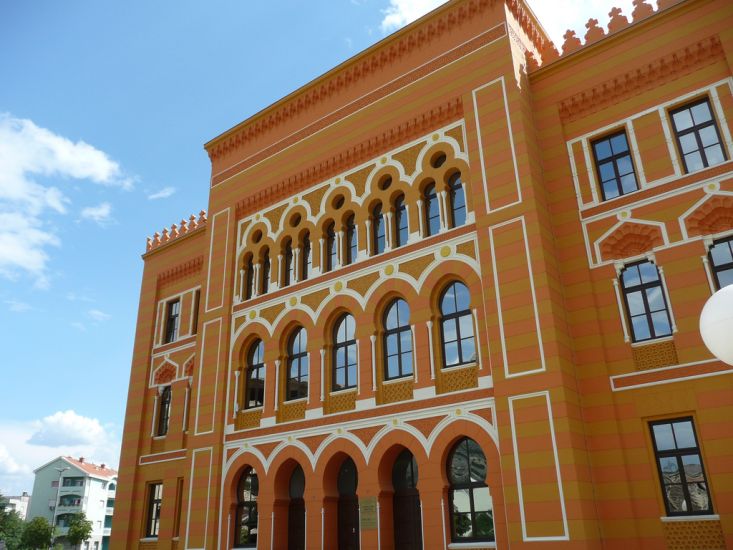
176 231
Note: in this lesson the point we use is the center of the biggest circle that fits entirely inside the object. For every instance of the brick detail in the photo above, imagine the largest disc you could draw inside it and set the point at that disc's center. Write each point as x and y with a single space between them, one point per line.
654 356
341 402
292 411
359 178
459 379
467 249
408 158
274 215
248 419
694 535
270 314
363 284
457 134
314 300
396 391
414 268
314 198
148 545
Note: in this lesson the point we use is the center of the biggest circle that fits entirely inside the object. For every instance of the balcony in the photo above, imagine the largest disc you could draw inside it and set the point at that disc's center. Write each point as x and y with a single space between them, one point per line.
68 508
109 510
107 532
61 531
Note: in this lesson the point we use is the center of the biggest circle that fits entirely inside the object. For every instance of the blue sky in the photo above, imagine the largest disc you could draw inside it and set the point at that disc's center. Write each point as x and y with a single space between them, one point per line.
104 108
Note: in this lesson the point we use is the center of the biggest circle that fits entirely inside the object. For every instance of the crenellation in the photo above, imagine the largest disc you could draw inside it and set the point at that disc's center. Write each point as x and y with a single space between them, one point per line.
176 231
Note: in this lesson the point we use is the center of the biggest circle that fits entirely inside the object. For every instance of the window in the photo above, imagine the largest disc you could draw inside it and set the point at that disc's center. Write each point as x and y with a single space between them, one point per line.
254 387
697 136
306 261
379 238
331 247
681 472
456 325
614 166
289 272
73 482
196 306
400 221
155 499
297 386
265 284
250 288
246 526
721 257
351 244
397 340
344 354
470 501
432 211
645 302
171 320
457 200
164 411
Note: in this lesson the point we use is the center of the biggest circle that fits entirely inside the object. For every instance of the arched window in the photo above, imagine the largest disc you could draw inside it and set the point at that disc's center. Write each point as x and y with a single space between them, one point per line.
470 501
265 283
164 411
397 340
254 386
456 325
457 200
400 222
379 237
288 267
250 285
432 211
297 386
344 354
351 246
331 247
306 260
246 526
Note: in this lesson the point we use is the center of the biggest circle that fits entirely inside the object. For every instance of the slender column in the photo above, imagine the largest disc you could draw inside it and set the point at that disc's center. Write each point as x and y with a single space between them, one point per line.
322 261
323 374
420 216
277 383
414 369
430 346
280 275
185 407
256 291
387 231
339 248
373 338
310 386
155 413
443 211
358 374
236 393
241 285
368 237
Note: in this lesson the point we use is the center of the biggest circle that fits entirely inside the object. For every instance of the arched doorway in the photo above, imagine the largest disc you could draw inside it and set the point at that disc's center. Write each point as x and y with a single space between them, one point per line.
245 535
296 510
348 506
406 503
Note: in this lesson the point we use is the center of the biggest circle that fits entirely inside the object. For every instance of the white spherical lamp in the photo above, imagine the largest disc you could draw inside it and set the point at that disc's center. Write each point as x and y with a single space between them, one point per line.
716 324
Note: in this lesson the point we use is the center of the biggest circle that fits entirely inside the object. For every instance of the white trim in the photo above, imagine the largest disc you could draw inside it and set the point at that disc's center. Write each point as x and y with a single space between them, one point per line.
442 517
591 172
373 339
216 379
720 115
468 545
612 379
207 309
429 324
190 492
708 273
634 147
621 312
625 216
673 519
670 312
141 463
277 385
670 142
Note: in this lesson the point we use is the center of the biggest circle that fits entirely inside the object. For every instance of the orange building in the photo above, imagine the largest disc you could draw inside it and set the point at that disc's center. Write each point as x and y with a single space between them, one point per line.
447 296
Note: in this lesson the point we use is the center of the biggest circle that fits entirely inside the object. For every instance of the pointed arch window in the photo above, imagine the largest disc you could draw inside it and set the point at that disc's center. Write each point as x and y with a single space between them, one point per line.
265 282
456 325
400 220
432 211
457 197
331 247
344 354
245 535
471 510
297 386
254 387
164 411
289 267
397 340
306 258
351 244
379 237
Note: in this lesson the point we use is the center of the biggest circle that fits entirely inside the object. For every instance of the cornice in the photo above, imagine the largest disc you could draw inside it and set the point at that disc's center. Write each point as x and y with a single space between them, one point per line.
181 270
642 78
176 232
352 156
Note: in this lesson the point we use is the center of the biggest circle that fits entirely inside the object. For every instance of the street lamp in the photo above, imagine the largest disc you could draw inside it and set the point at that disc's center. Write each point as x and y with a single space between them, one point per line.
58 499
716 324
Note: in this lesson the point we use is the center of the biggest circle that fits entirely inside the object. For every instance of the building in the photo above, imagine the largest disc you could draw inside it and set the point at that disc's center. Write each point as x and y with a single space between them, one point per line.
447 296
18 504
66 486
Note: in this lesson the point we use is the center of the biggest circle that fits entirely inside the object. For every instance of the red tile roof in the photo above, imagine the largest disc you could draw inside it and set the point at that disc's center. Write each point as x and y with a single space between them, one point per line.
91 468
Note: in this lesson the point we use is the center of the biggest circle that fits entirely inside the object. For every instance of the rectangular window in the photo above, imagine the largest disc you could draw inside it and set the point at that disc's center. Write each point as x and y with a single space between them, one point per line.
179 507
721 259
697 135
171 321
155 499
614 166
196 305
681 472
646 304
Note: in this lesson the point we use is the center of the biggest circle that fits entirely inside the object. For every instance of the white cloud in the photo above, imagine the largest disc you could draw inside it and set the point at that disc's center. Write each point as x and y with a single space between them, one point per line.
75 297
99 316
81 327
401 12
162 194
29 153
28 445
100 214
17 307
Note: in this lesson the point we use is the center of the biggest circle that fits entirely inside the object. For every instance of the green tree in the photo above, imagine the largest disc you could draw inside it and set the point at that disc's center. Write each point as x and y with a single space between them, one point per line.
38 533
11 526
80 529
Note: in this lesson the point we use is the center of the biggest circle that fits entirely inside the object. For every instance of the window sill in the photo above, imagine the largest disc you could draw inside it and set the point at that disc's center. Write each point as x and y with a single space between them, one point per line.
159 437
691 517
460 545
149 539
651 341
398 380
242 411
293 401
455 368
339 392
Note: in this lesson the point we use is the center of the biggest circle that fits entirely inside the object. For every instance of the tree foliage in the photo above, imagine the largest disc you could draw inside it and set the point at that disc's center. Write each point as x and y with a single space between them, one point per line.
11 526
80 529
38 533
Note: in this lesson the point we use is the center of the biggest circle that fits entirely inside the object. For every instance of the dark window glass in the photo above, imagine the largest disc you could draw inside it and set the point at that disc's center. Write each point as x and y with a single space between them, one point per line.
196 306
681 473
250 290
456 326
171 321
344 354
697 136
297 374
457 197
348 478
155 499
331 248
164 411
246 522
397 340
721 258
614 166
379 237
289 272
471 510
306 260
254 387
404 472
432 211
400 219
296 487
351 245
266 273
645 302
